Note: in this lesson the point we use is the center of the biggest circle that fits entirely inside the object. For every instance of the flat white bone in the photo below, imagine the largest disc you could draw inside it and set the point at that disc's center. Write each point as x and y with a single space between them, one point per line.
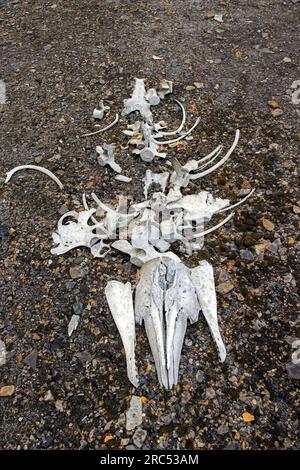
149 308
155 178
119 298
34 167
104 128
138 101
181 304
75 234
203 280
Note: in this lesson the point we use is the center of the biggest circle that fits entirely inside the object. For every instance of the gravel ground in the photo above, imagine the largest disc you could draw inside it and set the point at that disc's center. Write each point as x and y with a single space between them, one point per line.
58 59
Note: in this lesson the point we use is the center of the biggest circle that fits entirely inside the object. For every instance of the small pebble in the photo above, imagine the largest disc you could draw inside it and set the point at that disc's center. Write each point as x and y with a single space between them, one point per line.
139 437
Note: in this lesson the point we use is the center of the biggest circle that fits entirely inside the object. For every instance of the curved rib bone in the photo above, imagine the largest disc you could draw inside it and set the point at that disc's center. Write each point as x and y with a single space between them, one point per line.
172 141
233 206
215 156
215 227
223 160
104 128
182 122
33 167
119 298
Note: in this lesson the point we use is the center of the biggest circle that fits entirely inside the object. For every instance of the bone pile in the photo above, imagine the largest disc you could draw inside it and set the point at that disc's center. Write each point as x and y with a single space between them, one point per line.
168 293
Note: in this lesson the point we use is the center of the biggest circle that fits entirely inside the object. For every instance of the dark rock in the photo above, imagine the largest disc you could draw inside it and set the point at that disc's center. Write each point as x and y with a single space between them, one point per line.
83 356
31 359
249 240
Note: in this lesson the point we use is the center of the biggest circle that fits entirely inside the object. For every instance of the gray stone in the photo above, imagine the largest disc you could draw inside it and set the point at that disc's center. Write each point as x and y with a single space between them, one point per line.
139 437
246 255
77 308
31 359
274 247
223 429
200 376
76 272
134 416
83 356
293 370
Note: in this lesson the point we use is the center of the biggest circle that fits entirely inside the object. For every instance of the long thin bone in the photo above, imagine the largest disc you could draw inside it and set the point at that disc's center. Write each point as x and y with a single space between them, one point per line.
34 167
212 159
211 154
215 227
166 142
109 209
182 122
104 128
237 203
220 162
85 205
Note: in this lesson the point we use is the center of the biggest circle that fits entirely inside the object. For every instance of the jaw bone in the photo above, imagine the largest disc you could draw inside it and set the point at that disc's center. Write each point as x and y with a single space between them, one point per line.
165 299
203 280
119 298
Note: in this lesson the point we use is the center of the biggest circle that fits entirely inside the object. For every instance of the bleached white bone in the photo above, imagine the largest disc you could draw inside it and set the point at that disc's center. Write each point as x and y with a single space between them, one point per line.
104 128
119 298
155 178
86 207
215 227
75 234
220 162
203 280
73 324
199 206
172 141
150 149
99 113
138 101
106 157
149 308
41 169
165 299
165 88
152 97
179 129
233 206
181 174
123 178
